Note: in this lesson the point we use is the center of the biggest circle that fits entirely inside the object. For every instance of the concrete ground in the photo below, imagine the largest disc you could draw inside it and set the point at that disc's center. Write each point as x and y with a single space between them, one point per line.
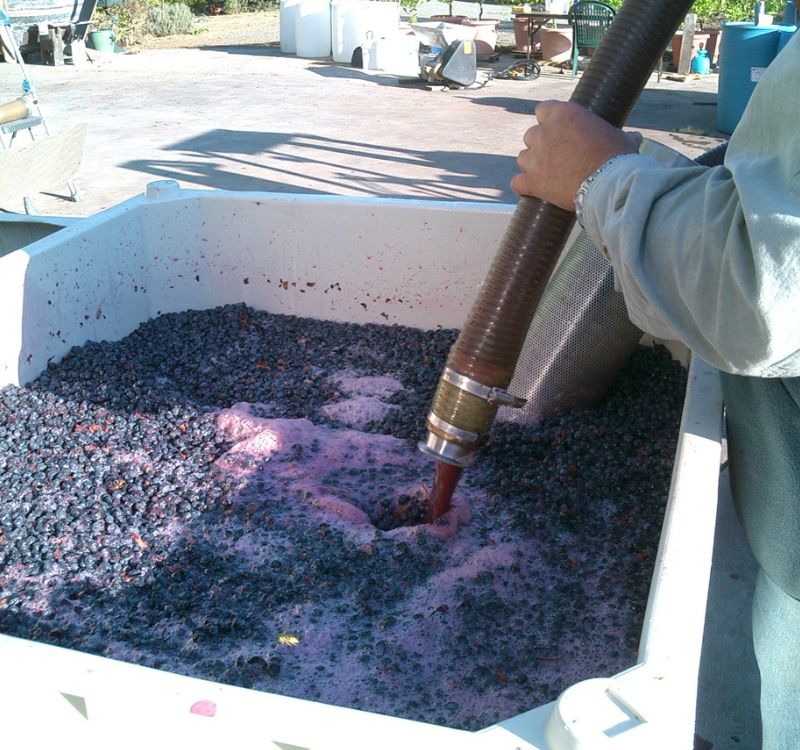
727 702
247 117
250 118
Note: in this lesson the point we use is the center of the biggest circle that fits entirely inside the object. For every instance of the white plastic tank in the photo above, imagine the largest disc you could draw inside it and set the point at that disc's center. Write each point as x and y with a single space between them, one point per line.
313 28
383 18
355 23
348 19
288 16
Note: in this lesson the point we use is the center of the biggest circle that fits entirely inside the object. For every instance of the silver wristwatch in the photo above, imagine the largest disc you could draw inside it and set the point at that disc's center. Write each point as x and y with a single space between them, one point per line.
580 196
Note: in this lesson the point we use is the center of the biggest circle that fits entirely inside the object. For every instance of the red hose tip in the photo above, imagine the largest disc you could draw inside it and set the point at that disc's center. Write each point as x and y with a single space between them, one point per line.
444 485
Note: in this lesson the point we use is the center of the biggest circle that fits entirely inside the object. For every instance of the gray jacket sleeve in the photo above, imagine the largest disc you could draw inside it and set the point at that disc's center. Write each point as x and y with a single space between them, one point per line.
711 256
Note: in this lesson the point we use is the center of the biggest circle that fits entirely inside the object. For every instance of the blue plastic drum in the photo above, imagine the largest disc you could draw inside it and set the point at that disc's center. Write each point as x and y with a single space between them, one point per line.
746 52
786 33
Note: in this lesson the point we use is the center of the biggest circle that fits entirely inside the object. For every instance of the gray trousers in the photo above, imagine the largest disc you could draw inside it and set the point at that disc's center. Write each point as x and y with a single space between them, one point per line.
763 423
776 634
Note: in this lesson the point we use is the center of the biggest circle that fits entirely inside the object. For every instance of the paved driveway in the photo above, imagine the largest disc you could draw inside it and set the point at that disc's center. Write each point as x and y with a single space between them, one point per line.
250 118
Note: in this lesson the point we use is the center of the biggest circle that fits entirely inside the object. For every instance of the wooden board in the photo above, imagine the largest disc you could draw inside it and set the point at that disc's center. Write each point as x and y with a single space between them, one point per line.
45 164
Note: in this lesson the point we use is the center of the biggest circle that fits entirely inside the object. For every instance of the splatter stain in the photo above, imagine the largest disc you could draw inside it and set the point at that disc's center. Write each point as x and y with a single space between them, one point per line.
204 708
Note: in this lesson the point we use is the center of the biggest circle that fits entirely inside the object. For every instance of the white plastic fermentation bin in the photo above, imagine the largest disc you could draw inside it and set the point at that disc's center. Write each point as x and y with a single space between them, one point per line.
136 260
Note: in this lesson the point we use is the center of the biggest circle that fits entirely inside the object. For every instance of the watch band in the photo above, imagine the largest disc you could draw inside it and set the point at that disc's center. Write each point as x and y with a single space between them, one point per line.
580 196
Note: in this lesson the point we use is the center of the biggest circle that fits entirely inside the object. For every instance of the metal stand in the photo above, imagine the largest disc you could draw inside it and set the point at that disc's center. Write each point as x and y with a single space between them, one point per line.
35 117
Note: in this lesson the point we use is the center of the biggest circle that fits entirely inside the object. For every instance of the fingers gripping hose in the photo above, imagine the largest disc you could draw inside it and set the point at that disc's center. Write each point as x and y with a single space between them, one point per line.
482 361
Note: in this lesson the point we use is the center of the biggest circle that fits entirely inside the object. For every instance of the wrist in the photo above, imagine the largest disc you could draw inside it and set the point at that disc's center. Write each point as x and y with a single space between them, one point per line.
588 182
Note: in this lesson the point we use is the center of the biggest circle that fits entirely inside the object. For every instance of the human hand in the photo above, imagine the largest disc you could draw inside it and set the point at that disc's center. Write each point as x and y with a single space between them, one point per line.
567 145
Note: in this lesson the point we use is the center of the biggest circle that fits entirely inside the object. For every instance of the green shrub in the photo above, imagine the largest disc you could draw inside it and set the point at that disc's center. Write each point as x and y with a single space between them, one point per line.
716 11
248 6
169 19
128 19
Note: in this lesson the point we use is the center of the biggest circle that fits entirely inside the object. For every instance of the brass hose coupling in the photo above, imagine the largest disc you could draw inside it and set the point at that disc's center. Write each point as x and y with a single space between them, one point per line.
470 407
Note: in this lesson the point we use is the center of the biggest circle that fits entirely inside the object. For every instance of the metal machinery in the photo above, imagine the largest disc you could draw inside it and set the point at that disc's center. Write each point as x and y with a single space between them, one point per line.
452 61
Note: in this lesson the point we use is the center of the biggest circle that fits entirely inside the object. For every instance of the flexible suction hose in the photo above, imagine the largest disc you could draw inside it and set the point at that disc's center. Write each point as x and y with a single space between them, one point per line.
482 361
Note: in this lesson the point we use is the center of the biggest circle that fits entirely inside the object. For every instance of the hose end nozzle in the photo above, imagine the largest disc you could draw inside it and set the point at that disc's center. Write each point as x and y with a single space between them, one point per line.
469 408
451 453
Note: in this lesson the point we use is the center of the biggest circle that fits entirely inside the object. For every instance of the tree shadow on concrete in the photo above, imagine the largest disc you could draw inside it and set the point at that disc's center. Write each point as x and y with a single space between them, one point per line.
689 114
324 68
268 49
513 104
343 70
671 110
306 163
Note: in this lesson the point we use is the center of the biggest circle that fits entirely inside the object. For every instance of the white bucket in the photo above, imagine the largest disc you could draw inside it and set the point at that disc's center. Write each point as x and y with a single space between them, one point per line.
348 26
288 21
559 7
313 28
397 54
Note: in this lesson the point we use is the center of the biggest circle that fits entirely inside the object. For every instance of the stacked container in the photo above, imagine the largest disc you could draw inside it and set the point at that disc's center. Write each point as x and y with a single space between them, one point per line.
288 19
348 27
312 28
321 28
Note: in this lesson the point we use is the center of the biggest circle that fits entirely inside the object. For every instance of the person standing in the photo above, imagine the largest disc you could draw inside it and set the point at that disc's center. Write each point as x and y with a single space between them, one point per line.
710 256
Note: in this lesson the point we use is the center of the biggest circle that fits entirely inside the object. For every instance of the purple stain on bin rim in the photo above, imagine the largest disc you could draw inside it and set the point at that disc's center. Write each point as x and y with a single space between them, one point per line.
204 708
